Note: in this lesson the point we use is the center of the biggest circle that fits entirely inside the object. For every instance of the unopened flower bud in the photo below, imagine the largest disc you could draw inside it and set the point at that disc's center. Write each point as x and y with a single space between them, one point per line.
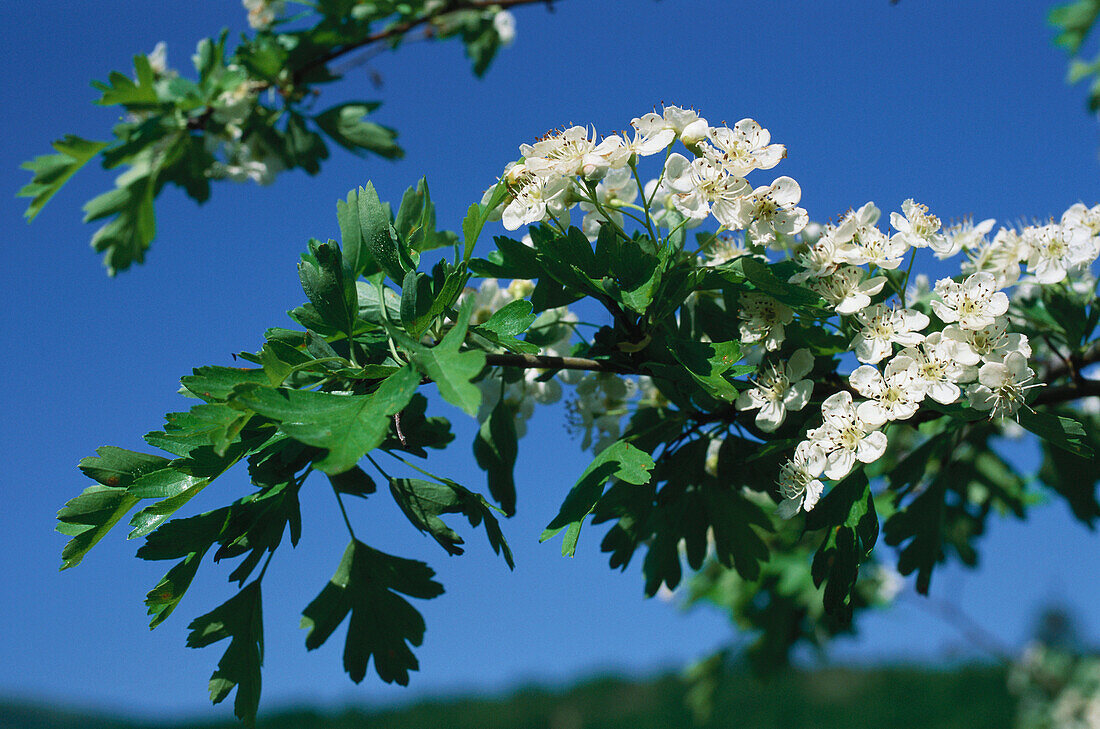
521 288
694 133
594 167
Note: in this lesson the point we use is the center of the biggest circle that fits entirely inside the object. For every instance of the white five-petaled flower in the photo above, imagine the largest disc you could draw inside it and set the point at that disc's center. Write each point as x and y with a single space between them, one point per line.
537 199
744 148
965 236
773 209
884 327
918 227
1001 386
559 153
819 259
848 290
1079 216
990 344
891 395
871 246
684 124
779 388
798 480
763 319
975 303
1000 257
702 183
1054 250
860 242
845 437
941 364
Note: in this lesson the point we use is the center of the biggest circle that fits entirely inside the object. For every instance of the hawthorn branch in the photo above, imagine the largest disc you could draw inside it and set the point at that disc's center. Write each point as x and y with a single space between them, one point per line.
547 362
401 29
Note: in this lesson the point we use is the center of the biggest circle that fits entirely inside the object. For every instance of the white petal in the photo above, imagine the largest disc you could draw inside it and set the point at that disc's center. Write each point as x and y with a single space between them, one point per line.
871 447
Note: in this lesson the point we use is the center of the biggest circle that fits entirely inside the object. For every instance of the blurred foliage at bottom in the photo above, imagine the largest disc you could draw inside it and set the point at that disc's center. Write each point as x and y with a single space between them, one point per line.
969 697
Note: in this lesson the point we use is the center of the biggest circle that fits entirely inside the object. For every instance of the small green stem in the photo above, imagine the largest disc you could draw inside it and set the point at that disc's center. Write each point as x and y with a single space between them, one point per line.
343 511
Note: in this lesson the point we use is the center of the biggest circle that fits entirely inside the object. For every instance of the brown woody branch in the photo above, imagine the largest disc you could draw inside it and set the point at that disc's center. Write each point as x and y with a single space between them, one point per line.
401 29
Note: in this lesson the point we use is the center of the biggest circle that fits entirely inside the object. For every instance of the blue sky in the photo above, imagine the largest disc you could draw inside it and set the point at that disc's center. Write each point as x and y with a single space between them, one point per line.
959 105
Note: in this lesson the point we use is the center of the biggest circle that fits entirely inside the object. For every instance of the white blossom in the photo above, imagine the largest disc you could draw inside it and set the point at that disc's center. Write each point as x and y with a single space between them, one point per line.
763 319
538 199
883 327
965 236
504 23
918 228
745 148
1001 386
1000 257
974 303
1055 250
262 13
158 58
819 259
849 289
779 388
618 188
871 246
941 363
773 209
559 153
894 394
701 183
674 123
798 480
598 408
845 437
990 344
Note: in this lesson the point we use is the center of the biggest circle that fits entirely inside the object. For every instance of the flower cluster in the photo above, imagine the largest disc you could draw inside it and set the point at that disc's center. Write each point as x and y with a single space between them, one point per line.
905 355
949 342
571 167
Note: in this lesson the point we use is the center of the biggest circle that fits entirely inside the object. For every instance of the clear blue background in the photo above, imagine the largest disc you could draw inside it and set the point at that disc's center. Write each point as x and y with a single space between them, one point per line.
959 105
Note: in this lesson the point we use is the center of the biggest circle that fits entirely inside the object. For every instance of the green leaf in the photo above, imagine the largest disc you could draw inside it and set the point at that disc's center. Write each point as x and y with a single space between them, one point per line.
450 369
125 239
241 620
89 516
512 319
354 250
133 94
354 482
378 234
425 501
1073 477
921 525
164 598
416 303
764 279
329 283
475 219
848 512
732 517
347 425
495 449
619 460
217 383
707 362
1059 430
367 584
345 124
52 171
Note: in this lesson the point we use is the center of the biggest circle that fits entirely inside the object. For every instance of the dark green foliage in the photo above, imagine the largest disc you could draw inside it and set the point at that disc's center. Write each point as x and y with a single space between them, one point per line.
967 697
367 584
